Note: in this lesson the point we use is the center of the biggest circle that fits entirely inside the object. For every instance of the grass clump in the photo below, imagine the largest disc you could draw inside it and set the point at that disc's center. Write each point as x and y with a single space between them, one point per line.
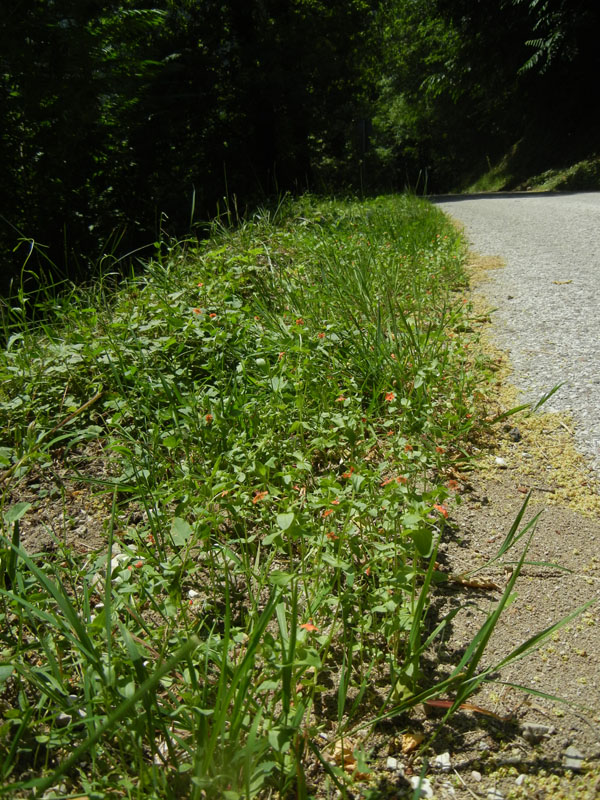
270 419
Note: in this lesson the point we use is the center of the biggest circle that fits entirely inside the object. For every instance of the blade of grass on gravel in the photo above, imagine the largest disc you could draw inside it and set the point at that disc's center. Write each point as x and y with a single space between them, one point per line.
120 713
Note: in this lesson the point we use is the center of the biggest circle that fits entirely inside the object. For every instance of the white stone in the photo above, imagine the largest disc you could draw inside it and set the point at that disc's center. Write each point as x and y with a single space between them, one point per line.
425 789
442 762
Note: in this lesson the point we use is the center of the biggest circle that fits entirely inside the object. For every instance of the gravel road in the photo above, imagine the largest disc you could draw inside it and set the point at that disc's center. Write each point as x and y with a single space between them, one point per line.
547 297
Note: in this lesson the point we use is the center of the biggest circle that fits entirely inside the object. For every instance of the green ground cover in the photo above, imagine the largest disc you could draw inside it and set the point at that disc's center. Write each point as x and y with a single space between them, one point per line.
272 418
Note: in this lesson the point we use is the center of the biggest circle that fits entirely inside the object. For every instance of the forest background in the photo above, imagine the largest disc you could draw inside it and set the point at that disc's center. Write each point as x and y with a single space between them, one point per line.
128 123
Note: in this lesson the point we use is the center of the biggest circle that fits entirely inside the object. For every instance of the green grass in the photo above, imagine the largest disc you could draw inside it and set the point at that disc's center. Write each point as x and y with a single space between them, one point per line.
271 417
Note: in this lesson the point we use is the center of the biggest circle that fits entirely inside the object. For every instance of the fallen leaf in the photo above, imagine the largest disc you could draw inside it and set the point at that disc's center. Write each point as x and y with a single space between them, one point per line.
410 742
474 583
467 707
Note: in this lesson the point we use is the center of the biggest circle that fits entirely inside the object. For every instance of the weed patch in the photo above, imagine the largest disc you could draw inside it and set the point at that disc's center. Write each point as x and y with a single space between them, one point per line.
274 422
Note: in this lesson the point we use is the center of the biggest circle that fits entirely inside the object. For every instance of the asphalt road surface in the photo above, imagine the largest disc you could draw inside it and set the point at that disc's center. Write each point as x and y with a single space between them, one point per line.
547 296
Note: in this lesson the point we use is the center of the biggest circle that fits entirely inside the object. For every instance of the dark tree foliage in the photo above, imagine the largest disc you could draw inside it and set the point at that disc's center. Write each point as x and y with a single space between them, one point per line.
122 120
126 121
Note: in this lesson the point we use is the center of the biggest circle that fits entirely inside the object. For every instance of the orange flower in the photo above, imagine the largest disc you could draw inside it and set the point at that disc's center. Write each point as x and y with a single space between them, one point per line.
308 626
212 315
197 310
440 450
390 397
321 335
208 418
258 496
280 355
408 447
340 399
335 502
452 484
442 509
331 535
299 321
349 473
200 284
327 512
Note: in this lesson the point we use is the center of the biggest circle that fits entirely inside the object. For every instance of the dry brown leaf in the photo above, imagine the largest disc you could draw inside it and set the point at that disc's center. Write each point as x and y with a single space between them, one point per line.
410 742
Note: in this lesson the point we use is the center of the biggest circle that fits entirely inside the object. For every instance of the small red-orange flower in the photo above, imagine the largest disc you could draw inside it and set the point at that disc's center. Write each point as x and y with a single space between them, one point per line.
200 284
442 509
452 484
335 502
197 311
208 418
340 399
299 321
331 535
390 397
321 335
308 626
327 512
349 473
212 315
440 450
408 447
280 355
258 496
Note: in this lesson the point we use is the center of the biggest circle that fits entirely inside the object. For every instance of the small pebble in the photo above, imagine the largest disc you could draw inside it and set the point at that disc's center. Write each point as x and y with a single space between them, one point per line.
391 763
501 462
425 787
520 779
442 762
494 794
476 775
533 733
573 759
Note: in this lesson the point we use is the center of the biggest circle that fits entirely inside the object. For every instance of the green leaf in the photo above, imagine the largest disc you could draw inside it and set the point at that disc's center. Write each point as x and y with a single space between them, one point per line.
6 670
180 531
423 539
16 512
411 520
6 454
278 578
285 521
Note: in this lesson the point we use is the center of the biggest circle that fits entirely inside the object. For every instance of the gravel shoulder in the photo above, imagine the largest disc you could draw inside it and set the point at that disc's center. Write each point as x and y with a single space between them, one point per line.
547 298
545 290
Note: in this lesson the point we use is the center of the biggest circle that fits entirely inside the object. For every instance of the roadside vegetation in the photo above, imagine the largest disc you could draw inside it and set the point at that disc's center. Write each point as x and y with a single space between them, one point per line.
273 424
